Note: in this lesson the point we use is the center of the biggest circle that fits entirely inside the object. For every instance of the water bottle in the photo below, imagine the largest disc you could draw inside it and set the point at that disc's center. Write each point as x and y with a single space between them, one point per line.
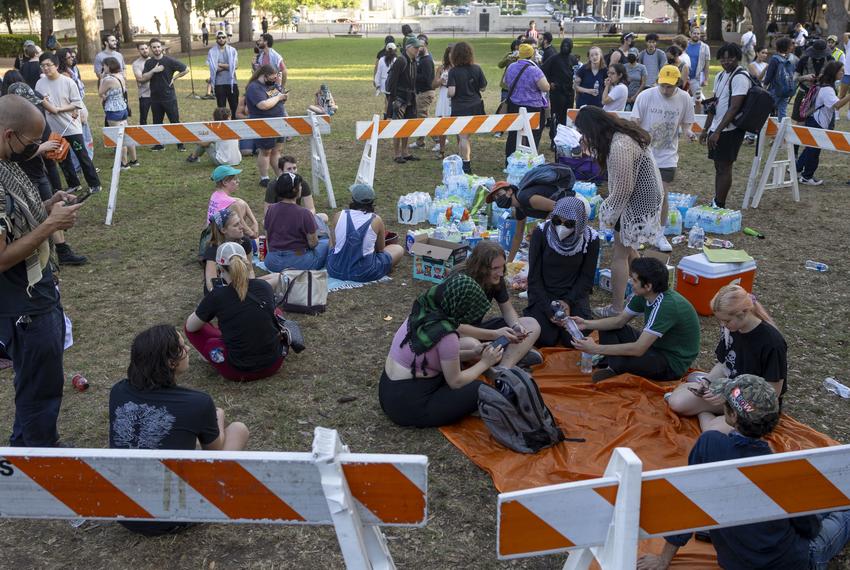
506 390
557 311
596 86
816 266
696 237
677 240
836 387
586 363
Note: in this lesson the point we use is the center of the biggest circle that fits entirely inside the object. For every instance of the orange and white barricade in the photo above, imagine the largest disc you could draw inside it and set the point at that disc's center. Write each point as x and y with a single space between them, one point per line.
311 125
371 131
356 493
604 518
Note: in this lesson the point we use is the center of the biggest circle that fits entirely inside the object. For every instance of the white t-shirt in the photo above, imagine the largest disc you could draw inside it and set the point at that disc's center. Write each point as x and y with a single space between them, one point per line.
824 104
748 41
686 59
358 218
227 152
740 85
62 91
661 117
800 38
618 94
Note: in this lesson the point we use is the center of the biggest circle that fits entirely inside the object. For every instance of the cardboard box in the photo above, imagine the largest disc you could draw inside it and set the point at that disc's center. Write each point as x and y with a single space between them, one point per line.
434 259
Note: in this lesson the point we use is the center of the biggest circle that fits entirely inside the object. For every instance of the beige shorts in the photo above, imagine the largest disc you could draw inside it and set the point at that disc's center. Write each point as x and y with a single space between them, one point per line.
424 101
695 89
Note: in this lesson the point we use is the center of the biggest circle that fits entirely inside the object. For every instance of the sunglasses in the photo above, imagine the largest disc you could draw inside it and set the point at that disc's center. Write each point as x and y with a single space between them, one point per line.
566 223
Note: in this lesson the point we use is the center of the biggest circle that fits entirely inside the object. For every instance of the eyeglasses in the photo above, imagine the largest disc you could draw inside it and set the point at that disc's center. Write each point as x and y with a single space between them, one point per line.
566 223
47 64
27 140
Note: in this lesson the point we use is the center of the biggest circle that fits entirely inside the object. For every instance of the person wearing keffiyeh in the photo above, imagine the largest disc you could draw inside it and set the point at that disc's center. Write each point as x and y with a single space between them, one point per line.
562 264
422 384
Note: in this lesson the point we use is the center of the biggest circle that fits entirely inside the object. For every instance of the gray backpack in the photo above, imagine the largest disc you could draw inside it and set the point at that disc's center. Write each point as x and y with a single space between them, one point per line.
515 414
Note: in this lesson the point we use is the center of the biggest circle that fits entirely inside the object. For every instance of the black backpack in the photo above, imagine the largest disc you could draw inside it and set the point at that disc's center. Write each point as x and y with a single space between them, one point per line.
757 106
519 420
610 53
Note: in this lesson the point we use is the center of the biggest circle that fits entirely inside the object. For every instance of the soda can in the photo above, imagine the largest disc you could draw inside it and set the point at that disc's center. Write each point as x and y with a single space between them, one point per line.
262 247
79 382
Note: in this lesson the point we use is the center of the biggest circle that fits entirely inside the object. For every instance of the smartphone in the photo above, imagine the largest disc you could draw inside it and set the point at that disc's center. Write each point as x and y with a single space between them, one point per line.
83 196
501 342
285 91
573 329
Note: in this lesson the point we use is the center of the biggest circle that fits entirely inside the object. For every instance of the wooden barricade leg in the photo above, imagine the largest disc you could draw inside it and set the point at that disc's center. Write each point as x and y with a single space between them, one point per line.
319 162
792 171
116 175
771 158
366 170
754 168
362 546
620 549
526 134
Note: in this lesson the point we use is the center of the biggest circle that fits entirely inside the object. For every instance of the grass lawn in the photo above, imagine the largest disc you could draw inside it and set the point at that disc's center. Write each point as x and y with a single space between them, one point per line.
142 271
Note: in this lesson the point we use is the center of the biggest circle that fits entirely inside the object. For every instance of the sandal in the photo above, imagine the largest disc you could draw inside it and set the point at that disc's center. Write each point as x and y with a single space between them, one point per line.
411 157
399 160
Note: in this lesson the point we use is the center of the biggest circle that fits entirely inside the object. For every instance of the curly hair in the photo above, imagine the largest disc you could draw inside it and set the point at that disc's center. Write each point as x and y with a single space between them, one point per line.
462 55
755 429
152 356
479 263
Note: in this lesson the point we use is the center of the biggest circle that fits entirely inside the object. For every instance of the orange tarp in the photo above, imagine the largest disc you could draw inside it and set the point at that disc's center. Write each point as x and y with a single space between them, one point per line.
625 411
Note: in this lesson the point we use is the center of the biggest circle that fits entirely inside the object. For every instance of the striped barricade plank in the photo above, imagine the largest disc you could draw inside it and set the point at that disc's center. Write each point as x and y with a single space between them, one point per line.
698 125
281 488
438 126
245 129
728 493
819 138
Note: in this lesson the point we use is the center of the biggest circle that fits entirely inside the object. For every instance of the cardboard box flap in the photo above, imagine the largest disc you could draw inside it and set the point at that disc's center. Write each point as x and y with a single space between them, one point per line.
435 248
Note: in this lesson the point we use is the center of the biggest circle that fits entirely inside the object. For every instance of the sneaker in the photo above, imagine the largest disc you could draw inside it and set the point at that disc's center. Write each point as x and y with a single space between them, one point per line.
411 158
133 163
157 147
192 158
810 181
531 358
125 166
498 135
715 205
605 312
68 257
414 144
435 148
181 148
399 160
95 189
264 182
602 374
73 189
663 245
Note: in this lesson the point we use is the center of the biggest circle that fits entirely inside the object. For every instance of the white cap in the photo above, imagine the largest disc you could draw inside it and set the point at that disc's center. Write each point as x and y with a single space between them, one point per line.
227 250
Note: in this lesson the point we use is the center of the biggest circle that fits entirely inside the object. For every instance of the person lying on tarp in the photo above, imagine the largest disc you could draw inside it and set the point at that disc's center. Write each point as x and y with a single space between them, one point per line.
749 343
669 341
534 197
561 266
751 409
422 384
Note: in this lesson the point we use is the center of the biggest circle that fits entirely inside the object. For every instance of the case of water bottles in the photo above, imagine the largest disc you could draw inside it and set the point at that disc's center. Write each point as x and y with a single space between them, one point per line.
519 163
681 201
714 220
452 166
586 189
414 208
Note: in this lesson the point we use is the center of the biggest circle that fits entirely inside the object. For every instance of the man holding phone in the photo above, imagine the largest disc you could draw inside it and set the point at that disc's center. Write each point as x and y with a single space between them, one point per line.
32 325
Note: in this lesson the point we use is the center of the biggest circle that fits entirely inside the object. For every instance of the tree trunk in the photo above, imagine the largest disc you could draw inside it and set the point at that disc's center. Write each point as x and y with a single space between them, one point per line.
45 12
801 9
836 16
681 8
245 20
758 13
126 25
183 15
88 38
714 15
597 7
7 16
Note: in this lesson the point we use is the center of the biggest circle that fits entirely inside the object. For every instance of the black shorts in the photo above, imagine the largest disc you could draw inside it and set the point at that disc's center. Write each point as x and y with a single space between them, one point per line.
668 174
267 144
728 146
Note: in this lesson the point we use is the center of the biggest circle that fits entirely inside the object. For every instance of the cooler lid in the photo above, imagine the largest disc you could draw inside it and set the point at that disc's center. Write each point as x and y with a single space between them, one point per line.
700 265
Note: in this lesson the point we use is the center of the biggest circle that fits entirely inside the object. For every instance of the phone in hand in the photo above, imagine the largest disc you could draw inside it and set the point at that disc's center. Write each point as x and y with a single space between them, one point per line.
83 196
501 342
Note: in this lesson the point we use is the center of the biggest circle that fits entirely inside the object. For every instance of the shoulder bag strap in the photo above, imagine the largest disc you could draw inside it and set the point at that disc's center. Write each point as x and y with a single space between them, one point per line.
516 79
291 282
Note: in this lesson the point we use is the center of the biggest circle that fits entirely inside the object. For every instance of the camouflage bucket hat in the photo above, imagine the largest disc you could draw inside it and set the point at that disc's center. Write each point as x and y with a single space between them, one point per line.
751 396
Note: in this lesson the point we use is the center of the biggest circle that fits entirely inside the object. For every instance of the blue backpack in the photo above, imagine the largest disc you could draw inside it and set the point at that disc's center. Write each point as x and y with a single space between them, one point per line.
783 82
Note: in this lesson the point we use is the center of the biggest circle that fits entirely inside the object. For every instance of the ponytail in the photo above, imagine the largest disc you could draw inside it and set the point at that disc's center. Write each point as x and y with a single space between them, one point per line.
734 299
239 272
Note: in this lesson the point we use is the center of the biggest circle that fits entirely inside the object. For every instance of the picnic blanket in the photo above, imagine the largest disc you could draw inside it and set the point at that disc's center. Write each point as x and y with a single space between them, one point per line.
336 284
625 411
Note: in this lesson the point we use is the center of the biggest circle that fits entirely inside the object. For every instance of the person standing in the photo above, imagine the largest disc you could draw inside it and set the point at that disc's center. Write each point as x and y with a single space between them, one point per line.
112 88
228 29
205 34
466 81
559 73
157 24
160 70
424 84
618 55
32 326
653 59
616 91
724 139
637 78
444 105
110 49
64 118
590 79
266 55
663 111
265 98
801 36
699 56
748 46
532 32
401 89
779 77
31 66
264 25
527 88
546 45
806 73
222 61
143 84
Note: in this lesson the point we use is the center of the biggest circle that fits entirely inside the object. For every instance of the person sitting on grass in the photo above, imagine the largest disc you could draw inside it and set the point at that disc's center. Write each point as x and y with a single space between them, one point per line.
486 266
751 409
749 344
225 226
423 384
221 152
246 345
292 231
561 266
226 180
358 247
669 342
289 163
148 410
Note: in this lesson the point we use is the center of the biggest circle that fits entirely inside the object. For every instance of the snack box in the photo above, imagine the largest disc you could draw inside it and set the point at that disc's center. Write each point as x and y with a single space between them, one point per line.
434 259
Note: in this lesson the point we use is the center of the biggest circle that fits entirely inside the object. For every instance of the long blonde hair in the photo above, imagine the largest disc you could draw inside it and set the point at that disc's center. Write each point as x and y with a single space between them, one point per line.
734 300
239 275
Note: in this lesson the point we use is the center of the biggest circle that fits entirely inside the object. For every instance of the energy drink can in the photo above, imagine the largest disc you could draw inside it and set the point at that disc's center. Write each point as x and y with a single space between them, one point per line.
79 382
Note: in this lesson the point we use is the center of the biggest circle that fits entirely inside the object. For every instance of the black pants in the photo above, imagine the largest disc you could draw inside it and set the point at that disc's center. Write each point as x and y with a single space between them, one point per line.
653 364
52 171
550 333
560 104
78 147
227 95
510 144
144 107
159 109
426 402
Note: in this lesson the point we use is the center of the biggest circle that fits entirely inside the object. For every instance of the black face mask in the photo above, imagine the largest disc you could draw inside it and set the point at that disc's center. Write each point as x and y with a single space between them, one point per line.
29 151
504 201
271 83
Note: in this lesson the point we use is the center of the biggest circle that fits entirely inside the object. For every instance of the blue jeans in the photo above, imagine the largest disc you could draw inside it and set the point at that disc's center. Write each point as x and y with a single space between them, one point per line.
310 259
781 106
833 536
809 159
36 349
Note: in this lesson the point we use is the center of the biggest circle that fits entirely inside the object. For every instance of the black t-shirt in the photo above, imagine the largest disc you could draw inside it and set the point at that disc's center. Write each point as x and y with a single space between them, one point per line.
271 197
500 293
525 210
401 79
249 331
468 82
160 88
31 72
762 352
209 255
424 73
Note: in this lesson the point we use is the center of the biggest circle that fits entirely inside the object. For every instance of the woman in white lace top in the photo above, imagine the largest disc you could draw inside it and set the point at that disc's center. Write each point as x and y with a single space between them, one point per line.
633 205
